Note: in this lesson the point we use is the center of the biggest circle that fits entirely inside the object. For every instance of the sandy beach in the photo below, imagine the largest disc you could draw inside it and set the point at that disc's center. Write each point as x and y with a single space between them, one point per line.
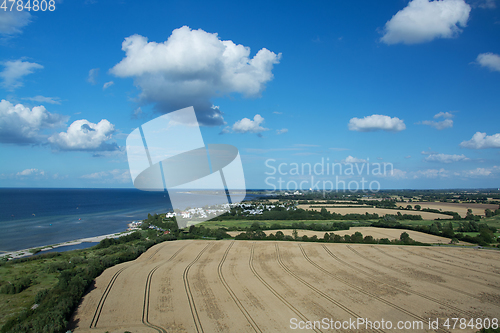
27 253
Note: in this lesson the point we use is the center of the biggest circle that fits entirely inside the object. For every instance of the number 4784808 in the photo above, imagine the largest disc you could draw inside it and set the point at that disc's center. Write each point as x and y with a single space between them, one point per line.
476 324
35 5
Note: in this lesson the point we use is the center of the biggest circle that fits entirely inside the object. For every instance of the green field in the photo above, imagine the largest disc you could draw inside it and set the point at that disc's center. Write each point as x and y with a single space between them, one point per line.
12 304
241 224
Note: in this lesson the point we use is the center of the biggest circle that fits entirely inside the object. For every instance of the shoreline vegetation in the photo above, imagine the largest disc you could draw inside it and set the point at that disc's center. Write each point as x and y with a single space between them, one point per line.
39 293
40 249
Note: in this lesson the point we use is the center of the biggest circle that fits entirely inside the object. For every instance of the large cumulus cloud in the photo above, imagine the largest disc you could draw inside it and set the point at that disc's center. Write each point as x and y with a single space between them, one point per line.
190 68
21 125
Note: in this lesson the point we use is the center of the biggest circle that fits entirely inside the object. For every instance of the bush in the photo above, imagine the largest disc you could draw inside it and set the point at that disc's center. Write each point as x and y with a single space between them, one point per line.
16 287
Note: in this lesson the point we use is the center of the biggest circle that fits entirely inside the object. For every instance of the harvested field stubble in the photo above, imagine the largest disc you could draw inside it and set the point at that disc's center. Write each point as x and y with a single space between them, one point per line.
244 286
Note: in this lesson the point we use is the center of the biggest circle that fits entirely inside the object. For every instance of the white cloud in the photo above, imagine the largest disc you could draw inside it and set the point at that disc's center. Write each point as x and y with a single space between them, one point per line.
350 159
31 172
43 99
22 125
85 136
12 22
276 112
431 173
192 67
407 157
482 141
246 125
487 4
446 115
282 131
93 74
107 85
489 60
440 125
444 158
14 72
423 20
113 176
428 152
138 113
376 122
478 172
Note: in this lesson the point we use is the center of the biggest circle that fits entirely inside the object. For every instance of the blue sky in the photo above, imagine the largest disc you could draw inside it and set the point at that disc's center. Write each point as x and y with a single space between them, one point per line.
414 84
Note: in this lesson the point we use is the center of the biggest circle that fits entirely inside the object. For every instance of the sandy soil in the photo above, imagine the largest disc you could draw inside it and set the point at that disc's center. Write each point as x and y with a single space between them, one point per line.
366 231
244 286
460 208
381 212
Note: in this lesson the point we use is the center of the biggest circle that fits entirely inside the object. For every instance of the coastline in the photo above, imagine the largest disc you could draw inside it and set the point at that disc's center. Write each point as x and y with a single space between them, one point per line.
26 252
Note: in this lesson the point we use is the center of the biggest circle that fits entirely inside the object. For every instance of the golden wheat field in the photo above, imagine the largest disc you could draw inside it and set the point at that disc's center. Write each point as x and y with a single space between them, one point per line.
460 208
376 233
264 286
379 211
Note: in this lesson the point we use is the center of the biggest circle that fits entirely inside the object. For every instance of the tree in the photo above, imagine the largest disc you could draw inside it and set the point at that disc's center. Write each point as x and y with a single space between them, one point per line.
409 207
357 237
295 234
405 238
255 226
418 207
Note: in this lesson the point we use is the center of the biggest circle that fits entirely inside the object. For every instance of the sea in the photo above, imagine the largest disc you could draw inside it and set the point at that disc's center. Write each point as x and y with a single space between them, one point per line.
32 217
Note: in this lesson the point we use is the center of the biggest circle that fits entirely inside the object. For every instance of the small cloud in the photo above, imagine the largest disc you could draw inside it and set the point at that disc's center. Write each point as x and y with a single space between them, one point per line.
439 125
409 156
446 115
246 125
423 21
113 176
107 85
282 131
12 22
31 172
350 159
486 4
225 130
445 158
93 74
489 60
138 113
276 112
482 141
431 173
14 71
428 152
380 158
43 99
376 122
215 107
82 135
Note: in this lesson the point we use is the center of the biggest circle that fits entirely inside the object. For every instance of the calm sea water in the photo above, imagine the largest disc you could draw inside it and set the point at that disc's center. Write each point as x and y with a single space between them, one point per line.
36 217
